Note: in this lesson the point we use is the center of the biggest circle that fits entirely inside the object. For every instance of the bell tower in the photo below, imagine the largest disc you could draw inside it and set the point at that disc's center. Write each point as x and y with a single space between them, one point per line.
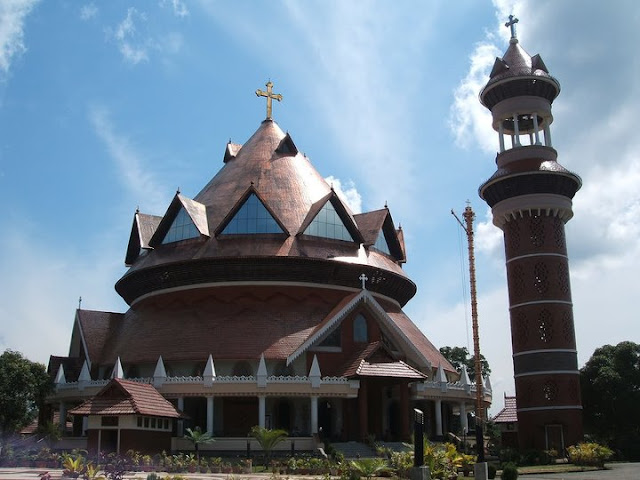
530 196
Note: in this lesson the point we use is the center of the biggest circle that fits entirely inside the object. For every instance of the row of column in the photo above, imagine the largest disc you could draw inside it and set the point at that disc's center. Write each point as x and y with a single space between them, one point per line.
534 137
464 424
262 401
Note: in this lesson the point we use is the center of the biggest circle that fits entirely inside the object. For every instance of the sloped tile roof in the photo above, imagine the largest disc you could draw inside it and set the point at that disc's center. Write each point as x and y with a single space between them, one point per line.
417 338
124 397
97 329
375 361
509 413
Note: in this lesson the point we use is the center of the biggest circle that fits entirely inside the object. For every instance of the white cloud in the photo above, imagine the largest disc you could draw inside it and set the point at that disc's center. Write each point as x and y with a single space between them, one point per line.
179 7
129 162
12 18
348 193
469 121
132 45
88 11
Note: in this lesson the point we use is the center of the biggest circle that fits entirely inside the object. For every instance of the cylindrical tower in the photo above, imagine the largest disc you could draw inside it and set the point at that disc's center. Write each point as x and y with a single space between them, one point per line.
531 199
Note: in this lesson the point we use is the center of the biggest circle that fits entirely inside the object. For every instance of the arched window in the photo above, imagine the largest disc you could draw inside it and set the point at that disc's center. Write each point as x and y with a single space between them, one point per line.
360 331
242 369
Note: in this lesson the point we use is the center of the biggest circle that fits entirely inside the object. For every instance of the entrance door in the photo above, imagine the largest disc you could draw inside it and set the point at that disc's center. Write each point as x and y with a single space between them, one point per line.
240 414
109 441
554 437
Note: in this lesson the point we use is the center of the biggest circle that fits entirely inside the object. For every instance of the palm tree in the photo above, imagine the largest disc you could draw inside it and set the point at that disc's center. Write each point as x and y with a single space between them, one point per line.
268 439
198 437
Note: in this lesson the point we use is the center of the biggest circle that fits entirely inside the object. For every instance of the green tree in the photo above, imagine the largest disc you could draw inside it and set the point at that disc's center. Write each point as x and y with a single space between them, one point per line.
459 356
23 387
610 383
268 439
198 437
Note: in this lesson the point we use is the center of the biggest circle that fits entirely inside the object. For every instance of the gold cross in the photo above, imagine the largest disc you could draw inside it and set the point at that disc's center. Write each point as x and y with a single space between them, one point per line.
270 95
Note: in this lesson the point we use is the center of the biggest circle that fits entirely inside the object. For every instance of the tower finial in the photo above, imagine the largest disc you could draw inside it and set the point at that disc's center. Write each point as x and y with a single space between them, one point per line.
270 96
512 24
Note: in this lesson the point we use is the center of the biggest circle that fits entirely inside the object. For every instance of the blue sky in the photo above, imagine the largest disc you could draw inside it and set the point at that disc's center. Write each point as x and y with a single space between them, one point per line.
107 106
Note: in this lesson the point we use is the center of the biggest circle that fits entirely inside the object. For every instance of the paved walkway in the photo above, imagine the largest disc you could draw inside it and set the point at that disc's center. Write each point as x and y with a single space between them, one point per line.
615 471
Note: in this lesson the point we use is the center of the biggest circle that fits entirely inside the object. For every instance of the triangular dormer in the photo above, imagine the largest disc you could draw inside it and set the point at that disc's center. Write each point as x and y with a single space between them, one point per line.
250 215
185 218
380 233
329 218
538 64
499 66
287 147
142 229
231 151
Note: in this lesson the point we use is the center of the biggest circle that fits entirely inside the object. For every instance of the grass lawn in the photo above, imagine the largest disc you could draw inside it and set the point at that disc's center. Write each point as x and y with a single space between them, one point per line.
558 468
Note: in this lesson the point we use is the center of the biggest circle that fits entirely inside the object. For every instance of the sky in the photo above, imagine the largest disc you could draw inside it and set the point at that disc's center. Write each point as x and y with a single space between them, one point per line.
110 106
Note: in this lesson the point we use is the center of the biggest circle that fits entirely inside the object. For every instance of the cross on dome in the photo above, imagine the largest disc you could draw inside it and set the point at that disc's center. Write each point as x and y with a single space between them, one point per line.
270 96
363 278
512 24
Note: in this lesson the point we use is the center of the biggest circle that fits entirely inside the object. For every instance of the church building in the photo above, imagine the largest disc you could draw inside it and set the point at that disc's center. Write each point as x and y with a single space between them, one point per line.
262 300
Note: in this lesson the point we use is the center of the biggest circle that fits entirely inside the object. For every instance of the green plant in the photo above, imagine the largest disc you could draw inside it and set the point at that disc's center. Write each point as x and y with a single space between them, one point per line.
73 465
509 472
268 439
589 453
198 437
369 467
401 463
153 476
92 472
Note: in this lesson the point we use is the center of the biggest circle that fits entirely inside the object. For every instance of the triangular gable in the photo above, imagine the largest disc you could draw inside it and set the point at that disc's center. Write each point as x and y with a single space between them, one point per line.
329 218
194 221
400 235
379 232
250 215
287 147
231 151
142 229
538 64
337 315
499 66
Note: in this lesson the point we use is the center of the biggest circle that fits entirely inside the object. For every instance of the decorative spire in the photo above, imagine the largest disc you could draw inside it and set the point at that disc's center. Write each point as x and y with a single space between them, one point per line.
314 373
117 370
270 96
512 25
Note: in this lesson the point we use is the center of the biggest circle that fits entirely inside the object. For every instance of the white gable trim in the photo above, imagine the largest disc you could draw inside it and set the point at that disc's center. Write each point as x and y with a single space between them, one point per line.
365 297
82 339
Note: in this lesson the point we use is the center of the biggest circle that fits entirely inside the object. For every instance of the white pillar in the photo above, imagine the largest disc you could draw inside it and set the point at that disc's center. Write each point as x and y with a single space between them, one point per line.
536 128
181 422
501 136
463 418
438 417
547 136
314 415
261 410
210 415
516 131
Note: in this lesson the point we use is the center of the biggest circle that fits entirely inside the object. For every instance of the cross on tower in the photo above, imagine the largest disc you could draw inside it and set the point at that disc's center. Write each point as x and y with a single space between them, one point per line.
363 278
270 96
512 24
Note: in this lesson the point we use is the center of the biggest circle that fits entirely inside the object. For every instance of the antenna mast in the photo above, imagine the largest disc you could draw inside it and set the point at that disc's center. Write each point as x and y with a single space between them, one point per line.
467 226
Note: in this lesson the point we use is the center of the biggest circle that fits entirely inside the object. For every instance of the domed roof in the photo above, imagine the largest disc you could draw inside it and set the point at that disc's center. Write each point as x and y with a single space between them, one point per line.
269 175
518 73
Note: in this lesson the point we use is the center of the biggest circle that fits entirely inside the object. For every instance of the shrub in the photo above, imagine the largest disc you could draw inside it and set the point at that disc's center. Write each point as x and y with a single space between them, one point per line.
153 476
509 472
491 471
592 454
